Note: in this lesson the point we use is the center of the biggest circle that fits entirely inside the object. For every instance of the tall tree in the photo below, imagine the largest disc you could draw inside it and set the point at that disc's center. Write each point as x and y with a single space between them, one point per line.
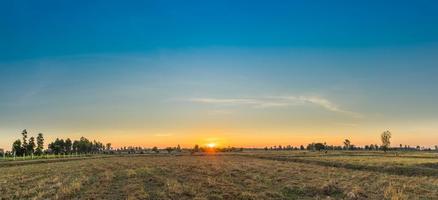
85 146
31 146
40 144
24 142
386 140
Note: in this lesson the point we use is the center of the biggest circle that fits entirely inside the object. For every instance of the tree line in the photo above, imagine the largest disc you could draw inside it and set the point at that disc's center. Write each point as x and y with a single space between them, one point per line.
83 145
177 149
35 146
385 138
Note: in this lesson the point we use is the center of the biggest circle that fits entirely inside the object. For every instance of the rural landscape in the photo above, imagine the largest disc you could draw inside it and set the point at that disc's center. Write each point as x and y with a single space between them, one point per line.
218 100
90 170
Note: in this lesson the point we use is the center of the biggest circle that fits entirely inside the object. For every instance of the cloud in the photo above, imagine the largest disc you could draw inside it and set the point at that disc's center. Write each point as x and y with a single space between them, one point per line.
324 103
277 101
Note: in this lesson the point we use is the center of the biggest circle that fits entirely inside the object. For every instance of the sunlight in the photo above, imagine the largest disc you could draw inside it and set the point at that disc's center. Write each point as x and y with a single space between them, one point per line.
211 145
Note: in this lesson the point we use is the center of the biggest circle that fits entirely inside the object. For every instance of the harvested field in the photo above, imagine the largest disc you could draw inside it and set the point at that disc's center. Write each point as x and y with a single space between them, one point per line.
254 175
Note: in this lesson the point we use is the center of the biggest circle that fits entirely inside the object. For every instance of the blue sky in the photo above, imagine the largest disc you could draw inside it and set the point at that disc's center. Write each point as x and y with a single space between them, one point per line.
52 28
274 71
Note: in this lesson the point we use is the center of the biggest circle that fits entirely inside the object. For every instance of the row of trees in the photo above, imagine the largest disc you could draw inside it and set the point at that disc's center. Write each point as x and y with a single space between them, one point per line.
83 145
28 147
34 146
197 148
347 145
177 149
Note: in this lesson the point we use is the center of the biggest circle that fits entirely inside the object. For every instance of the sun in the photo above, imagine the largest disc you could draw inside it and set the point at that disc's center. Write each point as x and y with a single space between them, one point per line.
211 145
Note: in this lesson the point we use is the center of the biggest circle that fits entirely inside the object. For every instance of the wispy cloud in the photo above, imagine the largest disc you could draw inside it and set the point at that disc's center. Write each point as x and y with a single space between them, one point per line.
322 102
277 101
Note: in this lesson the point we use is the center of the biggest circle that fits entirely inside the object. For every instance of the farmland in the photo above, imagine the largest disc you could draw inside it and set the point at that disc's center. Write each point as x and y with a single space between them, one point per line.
246 175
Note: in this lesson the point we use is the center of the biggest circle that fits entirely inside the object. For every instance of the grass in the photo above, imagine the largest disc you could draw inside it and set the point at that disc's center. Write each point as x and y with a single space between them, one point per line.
408 164
248 175
35 157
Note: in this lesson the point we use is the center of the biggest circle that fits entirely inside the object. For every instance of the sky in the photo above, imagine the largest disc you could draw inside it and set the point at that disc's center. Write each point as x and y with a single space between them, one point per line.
235 73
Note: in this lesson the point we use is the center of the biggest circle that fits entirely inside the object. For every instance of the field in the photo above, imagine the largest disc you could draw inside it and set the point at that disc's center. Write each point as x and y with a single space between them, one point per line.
247 175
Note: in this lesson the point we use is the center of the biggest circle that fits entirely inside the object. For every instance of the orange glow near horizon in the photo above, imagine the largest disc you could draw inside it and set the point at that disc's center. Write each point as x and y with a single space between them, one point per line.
252 138
213 137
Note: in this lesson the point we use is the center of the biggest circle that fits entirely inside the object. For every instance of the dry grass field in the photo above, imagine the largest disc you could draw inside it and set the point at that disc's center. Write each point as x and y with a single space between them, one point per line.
248 175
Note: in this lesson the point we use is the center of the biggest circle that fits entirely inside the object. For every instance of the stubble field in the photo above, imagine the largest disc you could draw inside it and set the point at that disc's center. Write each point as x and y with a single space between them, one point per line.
247 175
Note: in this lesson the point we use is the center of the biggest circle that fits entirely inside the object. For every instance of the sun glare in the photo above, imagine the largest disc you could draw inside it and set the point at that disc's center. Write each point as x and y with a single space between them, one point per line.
211 145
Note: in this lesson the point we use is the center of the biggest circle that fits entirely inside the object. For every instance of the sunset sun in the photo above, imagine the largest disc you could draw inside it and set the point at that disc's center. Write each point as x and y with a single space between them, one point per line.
211 145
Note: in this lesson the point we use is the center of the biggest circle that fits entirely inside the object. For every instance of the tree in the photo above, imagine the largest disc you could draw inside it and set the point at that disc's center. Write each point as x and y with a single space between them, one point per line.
311 147
316 146
178 148
319 146
68 145
155 149
40 144
169 149
61 144
96 146
347 144
24 143
196 148
84 145
31 146
108 146
386 137
17 149
75 146
301 147
58 146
